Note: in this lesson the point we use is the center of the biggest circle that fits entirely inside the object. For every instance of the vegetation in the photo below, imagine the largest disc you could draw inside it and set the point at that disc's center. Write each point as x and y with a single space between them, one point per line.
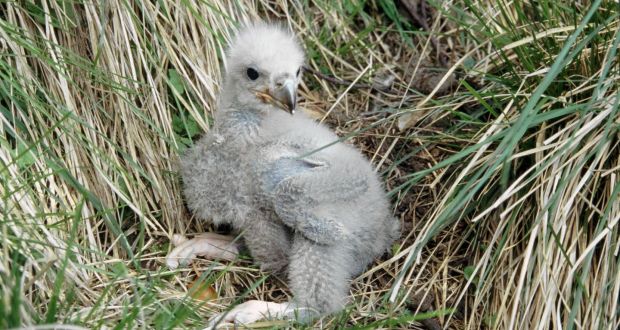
496 125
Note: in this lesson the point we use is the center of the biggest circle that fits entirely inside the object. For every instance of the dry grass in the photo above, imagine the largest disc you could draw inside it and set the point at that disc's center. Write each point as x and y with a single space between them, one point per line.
503 165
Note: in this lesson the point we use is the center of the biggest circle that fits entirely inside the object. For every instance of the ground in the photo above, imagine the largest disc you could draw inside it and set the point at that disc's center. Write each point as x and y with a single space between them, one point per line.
494 124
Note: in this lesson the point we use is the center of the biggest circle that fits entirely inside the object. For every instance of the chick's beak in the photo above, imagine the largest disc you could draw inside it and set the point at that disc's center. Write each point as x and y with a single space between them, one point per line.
286 95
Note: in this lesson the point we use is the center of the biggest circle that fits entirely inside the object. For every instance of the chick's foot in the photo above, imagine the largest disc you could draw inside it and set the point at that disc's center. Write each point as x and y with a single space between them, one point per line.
209 245
251 311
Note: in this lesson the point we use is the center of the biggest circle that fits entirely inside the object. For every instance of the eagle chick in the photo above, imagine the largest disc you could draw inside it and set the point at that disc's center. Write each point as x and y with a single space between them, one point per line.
306 206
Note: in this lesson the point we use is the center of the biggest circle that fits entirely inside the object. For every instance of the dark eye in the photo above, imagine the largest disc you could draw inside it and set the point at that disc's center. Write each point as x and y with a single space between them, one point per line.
252 73
298 72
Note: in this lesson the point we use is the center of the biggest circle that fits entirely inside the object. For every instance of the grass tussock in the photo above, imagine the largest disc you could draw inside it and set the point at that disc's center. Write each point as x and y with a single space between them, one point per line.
498 138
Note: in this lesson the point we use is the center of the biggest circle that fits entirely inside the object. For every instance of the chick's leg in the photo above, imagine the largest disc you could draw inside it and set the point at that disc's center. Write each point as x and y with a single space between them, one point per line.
210 245
269 242
319 276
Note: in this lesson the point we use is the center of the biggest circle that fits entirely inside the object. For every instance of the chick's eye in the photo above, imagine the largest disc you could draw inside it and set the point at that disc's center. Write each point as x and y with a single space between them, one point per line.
298 72
252 73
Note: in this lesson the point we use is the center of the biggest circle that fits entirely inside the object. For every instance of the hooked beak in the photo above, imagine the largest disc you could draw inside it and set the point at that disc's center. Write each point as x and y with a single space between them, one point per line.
286 95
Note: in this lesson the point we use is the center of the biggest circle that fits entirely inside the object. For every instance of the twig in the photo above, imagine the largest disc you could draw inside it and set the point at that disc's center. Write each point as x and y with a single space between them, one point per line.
342 82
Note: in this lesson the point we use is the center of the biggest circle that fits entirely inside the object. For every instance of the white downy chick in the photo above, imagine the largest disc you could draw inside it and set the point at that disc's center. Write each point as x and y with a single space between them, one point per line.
317 214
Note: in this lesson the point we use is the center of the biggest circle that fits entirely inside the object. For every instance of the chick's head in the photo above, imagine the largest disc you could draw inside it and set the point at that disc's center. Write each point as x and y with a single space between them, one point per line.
264 67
